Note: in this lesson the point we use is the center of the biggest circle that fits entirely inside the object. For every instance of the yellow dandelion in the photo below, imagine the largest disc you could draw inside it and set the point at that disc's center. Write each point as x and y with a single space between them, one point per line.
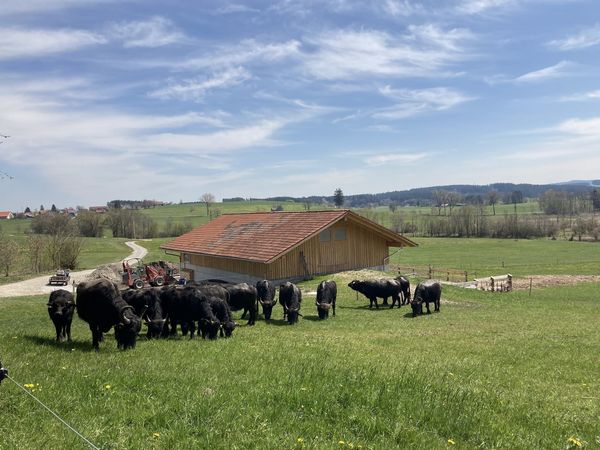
451 442
341 443
350 444
300 441
575 442
107 386
155 435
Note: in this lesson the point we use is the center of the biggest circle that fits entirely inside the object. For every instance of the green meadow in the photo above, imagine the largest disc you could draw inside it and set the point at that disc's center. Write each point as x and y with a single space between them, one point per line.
502 371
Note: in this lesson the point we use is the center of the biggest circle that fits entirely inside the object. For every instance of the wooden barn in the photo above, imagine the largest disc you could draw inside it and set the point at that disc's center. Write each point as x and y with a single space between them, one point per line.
283 245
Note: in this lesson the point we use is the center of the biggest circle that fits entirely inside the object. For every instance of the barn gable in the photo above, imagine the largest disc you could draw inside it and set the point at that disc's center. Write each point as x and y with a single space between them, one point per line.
284 245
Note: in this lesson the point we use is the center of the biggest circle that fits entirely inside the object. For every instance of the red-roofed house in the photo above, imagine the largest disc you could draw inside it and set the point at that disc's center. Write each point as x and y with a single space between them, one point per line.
284 245
5 215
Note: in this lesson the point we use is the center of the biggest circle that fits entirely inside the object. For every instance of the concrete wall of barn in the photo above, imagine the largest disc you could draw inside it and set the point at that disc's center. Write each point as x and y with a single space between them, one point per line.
350 246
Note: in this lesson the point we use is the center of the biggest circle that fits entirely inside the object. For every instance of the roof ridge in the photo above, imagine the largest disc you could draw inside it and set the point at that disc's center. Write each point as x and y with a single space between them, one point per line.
283 212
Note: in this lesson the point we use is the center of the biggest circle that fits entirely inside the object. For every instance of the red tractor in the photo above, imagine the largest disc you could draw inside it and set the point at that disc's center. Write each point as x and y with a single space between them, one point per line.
136 274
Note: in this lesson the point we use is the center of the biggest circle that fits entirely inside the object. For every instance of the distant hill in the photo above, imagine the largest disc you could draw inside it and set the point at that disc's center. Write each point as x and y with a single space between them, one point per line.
470 193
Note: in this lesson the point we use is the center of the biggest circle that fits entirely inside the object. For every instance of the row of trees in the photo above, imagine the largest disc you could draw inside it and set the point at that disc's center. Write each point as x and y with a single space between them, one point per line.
471 221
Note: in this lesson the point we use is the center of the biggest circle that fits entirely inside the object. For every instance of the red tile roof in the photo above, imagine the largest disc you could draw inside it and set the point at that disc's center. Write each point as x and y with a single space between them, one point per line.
263 237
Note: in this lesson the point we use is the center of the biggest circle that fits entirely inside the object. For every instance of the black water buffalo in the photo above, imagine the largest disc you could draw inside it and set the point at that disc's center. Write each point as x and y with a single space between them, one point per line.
100 304
61 307
404 289
243 296
326 296
148 305
222 312
266 297
426 292
382 288
186 306
290 298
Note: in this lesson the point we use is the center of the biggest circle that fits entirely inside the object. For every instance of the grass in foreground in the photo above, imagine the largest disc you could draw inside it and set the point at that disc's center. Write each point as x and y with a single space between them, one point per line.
490 371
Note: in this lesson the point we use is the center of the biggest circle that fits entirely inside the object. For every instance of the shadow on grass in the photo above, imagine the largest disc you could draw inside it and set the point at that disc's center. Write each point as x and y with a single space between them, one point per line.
65 346
366 308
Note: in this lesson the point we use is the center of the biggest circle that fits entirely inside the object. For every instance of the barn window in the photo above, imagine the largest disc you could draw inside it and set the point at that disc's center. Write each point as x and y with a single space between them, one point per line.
340 234
325 236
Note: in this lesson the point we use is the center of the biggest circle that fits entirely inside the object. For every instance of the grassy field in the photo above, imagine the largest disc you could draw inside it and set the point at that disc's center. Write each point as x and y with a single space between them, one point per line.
485 257
503 371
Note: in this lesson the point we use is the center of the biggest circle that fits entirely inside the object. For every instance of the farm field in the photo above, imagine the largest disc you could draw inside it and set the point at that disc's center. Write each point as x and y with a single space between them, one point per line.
482 257
490 370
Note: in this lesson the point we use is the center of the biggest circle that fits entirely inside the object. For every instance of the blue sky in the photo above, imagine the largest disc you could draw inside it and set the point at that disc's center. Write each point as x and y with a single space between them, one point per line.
119 99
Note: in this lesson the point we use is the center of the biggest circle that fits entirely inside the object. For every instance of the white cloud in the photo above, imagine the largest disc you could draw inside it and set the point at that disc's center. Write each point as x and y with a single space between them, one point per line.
195 89
403 8
247 51
585 38
555 71
394 158
481 6
19 42
413 102
36 6
585 96
424 51
155 32
583 127
233 8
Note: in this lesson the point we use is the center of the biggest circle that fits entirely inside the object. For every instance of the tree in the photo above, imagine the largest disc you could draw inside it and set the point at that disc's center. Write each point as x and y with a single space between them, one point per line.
41 207
9 253
53 209
36 248
492 198
208 199
595 199
338 198
90 224
27 210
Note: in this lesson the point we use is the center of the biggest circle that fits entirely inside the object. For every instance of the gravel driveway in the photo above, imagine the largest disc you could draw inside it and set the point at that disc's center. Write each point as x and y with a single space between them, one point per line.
39 285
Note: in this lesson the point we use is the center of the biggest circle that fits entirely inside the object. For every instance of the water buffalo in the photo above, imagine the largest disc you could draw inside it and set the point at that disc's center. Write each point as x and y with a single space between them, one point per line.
99 303
426 292
290 298
326 296
266 297
187 305
241 296
382 288
61 307
404 289
222 312
147 304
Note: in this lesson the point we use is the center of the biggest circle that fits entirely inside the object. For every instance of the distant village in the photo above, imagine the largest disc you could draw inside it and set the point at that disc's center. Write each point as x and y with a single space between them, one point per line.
29 213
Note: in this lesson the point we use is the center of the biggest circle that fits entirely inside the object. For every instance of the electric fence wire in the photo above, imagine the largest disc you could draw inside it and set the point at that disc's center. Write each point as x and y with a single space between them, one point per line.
86 440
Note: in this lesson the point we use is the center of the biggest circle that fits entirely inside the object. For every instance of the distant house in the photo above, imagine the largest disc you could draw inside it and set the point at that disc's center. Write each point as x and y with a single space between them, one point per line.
98 209
6 215
284 245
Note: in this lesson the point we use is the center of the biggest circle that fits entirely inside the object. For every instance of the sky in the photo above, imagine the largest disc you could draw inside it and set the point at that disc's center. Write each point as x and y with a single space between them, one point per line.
147 99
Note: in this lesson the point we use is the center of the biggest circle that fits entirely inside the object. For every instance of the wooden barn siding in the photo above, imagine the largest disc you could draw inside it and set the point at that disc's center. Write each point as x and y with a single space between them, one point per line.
230 265
362 248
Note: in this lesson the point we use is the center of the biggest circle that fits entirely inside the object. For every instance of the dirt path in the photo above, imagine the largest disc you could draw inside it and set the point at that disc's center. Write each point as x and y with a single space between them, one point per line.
39 285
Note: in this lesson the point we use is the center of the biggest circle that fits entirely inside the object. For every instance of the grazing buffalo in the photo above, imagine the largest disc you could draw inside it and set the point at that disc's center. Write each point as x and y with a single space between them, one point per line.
426 292
60 309
147 304
266 297
222 312
326 295
187 305
404 289
100 304
382 288
243 296
290 298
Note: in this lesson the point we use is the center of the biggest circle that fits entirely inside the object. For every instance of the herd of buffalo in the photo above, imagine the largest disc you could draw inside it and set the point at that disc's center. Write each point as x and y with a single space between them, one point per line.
206 306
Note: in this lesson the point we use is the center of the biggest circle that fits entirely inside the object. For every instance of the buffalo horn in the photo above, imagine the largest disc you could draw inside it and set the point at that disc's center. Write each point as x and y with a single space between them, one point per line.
124 319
